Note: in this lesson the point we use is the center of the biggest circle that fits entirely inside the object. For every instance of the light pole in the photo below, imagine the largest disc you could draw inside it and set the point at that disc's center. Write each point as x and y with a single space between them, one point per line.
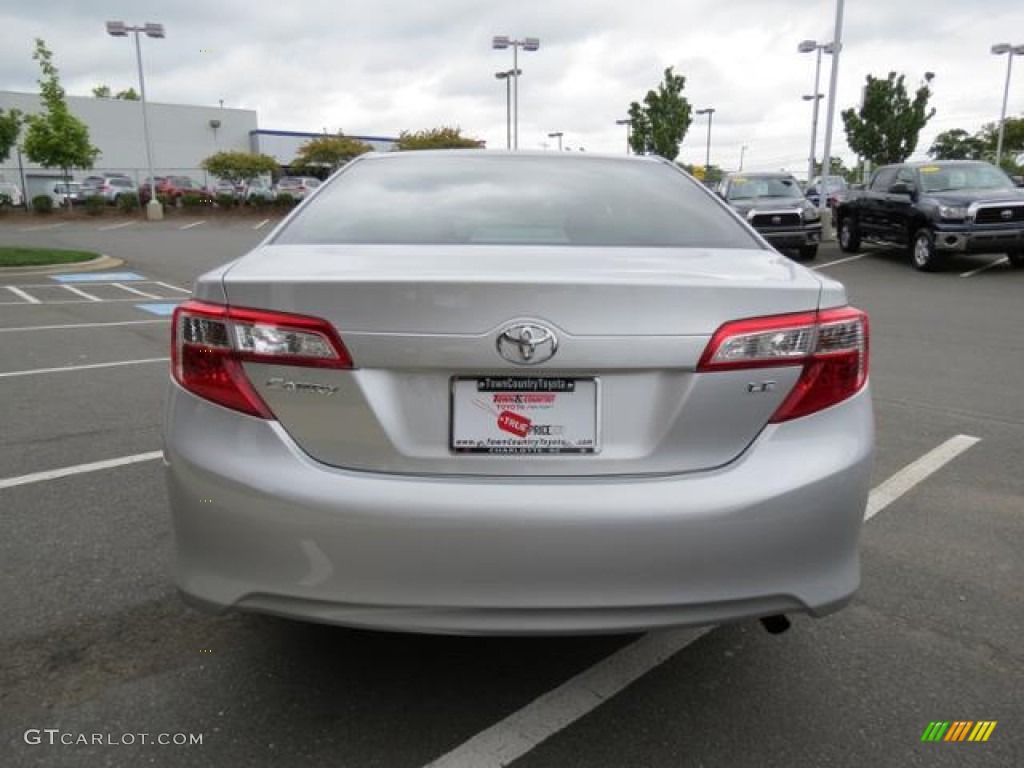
629 124
500 43
557 135
710 112
507 76
119 29
826 162
806 46
743 151
1010 51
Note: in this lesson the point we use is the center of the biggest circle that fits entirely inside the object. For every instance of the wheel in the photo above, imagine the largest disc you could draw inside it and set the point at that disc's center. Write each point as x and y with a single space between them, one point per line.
849 235
922 251
808 252
1016 259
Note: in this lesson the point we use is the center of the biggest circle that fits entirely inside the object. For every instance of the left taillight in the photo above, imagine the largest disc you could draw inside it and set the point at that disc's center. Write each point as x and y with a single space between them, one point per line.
210 342
831 345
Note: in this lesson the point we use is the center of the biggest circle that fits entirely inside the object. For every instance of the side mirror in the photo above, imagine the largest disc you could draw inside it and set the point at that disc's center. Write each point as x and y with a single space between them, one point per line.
901 188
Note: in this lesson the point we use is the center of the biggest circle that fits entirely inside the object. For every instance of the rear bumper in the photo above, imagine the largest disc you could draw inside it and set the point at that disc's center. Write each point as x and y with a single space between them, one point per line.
260 526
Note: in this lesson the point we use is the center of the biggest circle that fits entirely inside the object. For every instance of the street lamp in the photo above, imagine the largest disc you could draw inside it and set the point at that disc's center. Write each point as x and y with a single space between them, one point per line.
119 29
710 112
508 76
557 135
500 43
806 46
629 124
1010 51
743 151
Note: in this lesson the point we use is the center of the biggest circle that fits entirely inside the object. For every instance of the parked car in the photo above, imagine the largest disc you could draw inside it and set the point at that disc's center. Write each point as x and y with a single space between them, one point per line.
173 188
298 187
109 187
66 193
935 209
258 189
229 188
11 193
773 204
531 392
836 189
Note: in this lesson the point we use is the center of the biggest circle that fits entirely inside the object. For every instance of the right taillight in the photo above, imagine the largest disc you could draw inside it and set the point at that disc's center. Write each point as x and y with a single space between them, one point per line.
210 342
830 345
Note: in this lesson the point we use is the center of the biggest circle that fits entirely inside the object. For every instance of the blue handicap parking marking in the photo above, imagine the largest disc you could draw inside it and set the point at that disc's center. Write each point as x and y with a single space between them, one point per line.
98 277
157 309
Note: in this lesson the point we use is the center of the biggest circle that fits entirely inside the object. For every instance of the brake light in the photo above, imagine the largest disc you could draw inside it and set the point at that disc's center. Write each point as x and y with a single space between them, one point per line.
830 345
210 342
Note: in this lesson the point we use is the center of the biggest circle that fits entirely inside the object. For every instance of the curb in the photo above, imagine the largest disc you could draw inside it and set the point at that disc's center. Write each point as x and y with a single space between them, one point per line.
101 262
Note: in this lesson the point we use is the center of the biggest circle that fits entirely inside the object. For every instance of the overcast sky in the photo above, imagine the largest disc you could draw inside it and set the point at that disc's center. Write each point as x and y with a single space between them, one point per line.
377 67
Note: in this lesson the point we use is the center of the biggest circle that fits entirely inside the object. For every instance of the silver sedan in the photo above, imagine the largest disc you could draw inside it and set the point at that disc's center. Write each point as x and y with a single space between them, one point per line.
488 392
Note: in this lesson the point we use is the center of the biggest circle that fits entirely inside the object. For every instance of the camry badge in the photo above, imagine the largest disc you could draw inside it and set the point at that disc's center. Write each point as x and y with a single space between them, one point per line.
527 344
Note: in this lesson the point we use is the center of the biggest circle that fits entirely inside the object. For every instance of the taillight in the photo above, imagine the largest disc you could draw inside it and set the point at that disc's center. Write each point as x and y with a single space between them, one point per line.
830 345
210 342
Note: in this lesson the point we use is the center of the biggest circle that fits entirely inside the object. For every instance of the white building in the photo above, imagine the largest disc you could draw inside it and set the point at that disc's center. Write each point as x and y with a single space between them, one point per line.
182 137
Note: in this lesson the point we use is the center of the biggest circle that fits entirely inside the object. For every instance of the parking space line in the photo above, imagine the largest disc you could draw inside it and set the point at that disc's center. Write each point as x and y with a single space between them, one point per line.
136 291
53 474
973 272
116 226
839 261
912 474
91 366
80 292
44 226
98 277
26 296
173 287
73 326
261 224
523 730
193 224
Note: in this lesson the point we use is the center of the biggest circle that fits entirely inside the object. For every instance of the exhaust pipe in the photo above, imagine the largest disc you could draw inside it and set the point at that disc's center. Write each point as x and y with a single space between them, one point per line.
775 625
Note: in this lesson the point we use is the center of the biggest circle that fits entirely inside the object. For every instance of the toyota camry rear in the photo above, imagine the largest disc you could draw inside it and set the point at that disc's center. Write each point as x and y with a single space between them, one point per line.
483 392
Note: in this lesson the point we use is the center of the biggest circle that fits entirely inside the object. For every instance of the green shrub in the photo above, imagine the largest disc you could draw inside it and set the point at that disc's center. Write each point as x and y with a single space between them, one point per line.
226 200
258 202
42 204
285 200
5 202
128 202
94 205
163 200
191 202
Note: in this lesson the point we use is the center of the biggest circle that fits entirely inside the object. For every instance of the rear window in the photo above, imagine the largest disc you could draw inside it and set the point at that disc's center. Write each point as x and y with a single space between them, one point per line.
501 199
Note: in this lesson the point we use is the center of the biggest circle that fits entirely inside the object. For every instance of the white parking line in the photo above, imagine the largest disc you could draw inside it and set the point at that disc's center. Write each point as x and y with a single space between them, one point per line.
116 226
973 272
174 287
26 296
261 224
79 325
93 366
523 730
44 226
80 292
136 291
193 224
53 474
839 261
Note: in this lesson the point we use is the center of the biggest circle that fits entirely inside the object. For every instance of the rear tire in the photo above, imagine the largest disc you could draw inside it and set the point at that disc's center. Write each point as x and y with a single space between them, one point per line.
922 251
808 252
849 235
1016 259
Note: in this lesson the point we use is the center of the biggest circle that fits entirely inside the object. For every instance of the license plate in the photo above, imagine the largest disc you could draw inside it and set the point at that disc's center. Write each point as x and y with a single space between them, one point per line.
524 415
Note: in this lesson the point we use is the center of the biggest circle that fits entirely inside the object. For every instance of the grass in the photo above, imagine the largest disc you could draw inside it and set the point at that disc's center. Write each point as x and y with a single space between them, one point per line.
16 256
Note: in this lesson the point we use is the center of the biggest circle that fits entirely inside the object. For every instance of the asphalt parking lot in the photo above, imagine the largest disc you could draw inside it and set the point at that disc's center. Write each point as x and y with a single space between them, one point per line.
95 641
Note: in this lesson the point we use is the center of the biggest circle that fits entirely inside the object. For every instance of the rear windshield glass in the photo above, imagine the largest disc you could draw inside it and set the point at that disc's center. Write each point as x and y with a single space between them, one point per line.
500 199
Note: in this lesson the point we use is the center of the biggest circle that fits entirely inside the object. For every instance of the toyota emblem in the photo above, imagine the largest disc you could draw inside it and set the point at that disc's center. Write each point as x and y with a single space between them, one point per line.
527 343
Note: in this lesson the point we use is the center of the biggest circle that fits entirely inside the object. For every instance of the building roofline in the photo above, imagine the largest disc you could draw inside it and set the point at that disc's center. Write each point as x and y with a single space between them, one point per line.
305 134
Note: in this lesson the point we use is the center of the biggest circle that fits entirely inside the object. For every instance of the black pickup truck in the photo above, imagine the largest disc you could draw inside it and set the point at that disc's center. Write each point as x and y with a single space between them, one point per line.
936 209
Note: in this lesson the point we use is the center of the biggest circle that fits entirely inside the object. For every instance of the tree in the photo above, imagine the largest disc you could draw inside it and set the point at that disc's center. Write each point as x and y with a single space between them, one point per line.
957 144
886 127
56 138
10 127
329 152
659 125
103 92
238 167
437 138
1013 140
